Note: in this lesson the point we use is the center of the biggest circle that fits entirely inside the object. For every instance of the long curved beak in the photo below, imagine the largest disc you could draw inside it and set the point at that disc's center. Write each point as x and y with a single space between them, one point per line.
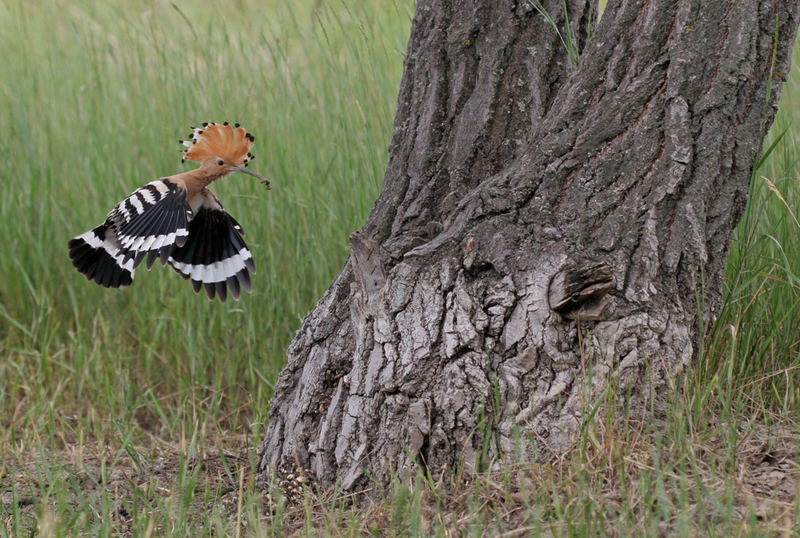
244 170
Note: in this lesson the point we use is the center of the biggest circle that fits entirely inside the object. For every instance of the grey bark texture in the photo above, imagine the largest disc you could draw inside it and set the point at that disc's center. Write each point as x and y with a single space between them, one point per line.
541 233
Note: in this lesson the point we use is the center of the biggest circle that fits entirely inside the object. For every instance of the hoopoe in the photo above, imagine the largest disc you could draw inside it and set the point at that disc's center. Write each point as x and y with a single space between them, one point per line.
178 220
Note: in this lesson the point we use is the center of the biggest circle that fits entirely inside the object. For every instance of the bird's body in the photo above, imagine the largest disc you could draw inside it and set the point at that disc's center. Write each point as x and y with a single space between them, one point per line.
178 220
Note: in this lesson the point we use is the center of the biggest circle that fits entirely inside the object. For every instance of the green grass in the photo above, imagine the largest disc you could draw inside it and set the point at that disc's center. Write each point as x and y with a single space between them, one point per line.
94 107
138 411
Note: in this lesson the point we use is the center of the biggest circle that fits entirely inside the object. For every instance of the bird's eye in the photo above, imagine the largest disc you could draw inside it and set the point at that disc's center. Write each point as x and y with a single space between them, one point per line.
220 163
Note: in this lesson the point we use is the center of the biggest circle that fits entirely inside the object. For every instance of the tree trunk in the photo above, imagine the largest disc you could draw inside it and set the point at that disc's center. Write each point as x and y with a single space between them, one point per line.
542 233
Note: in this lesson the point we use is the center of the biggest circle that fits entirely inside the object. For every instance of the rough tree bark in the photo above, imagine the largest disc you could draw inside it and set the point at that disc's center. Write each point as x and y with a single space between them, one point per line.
540 235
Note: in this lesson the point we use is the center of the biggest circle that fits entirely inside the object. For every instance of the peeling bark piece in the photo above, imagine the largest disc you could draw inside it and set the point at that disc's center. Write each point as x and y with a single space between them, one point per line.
579 287
368 262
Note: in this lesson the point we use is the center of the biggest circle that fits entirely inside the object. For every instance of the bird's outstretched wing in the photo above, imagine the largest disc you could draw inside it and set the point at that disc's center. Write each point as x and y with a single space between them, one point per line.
97 255
214 256
152 220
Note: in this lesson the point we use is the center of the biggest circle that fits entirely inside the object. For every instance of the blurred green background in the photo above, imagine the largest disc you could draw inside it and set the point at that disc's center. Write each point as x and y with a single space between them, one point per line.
94 97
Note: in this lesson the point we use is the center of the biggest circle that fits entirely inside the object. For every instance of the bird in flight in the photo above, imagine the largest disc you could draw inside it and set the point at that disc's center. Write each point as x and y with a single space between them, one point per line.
178 220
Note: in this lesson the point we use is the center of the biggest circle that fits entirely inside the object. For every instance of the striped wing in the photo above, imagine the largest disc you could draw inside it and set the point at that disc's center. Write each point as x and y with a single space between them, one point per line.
97 255
152 221
214 256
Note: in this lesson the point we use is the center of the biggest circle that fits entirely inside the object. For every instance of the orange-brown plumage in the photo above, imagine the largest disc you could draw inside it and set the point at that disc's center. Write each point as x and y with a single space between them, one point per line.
215 141
220 149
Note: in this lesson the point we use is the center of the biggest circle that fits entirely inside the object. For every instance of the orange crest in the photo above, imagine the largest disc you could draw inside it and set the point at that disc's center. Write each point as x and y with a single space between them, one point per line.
214 141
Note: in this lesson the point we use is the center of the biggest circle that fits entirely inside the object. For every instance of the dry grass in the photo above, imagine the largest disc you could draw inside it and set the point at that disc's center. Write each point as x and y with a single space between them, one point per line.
678 477
138 412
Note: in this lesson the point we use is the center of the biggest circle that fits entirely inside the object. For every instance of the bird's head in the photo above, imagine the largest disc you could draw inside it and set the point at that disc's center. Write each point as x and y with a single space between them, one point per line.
221 149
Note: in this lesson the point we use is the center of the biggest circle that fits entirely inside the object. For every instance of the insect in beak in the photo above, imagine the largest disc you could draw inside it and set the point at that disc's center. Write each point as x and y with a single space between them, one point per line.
249 173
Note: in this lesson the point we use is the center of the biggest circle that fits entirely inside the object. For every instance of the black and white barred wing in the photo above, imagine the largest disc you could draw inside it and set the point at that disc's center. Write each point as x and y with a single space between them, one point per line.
97 255
215 256
152 221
